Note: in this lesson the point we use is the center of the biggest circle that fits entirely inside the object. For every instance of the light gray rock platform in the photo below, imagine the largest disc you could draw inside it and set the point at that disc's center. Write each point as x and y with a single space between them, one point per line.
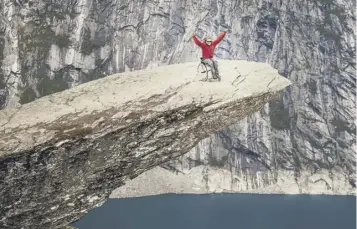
63 154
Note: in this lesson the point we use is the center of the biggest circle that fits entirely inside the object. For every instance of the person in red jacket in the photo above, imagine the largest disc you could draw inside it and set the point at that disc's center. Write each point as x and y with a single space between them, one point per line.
208 46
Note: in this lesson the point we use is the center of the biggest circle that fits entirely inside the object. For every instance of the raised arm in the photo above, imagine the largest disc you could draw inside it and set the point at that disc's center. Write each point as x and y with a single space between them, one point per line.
197 41
219 38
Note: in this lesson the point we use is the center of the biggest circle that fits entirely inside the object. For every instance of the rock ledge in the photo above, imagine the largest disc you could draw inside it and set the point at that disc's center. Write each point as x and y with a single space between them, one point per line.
63 154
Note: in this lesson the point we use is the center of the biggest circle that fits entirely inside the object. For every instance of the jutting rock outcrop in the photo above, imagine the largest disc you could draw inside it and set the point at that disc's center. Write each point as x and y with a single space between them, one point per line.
63 154
307 137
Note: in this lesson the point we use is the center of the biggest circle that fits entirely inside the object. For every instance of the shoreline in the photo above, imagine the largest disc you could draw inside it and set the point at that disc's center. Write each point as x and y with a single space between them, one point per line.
210 180
240 193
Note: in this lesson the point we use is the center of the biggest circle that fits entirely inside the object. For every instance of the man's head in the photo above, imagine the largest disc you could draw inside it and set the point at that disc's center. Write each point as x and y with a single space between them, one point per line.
208 40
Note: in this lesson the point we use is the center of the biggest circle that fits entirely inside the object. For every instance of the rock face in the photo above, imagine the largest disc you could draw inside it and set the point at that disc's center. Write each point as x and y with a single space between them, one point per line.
308 137
207 178
48 46
63 154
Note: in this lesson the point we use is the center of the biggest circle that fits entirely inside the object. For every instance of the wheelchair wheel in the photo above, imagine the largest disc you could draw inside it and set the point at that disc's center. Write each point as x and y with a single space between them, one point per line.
203 70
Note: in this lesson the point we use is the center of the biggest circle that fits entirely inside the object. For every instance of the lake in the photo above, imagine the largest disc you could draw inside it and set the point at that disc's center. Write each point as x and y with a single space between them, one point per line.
220 211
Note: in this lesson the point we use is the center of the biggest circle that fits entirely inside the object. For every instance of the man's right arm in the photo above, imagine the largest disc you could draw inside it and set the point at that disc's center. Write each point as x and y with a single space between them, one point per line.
220 38
197 41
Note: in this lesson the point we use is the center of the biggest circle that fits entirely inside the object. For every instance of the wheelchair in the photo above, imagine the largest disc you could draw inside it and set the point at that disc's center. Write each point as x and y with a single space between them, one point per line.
205 70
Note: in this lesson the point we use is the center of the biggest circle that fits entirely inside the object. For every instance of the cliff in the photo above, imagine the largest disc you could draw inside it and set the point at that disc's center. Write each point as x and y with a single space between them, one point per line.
47 47
307 137
63 154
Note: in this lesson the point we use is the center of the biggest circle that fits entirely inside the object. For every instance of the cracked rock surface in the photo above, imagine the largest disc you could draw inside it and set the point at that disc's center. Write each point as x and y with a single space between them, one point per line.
63 154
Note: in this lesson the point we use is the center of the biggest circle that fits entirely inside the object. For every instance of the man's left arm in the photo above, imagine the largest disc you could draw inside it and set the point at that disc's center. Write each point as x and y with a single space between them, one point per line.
220 38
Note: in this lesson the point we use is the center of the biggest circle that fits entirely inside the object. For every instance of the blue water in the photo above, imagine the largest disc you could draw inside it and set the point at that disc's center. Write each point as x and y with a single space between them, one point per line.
220 211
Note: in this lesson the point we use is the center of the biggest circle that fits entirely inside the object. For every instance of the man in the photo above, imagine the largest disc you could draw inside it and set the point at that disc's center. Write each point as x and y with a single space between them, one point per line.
208 47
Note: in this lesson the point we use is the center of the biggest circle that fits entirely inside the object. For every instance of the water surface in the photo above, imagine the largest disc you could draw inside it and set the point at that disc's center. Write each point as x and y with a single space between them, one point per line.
220 211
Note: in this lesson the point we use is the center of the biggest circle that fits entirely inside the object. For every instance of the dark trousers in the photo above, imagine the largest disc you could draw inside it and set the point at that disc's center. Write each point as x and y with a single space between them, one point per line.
213 64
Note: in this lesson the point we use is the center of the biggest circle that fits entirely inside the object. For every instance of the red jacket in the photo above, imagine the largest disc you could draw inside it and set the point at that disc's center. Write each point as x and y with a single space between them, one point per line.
208 50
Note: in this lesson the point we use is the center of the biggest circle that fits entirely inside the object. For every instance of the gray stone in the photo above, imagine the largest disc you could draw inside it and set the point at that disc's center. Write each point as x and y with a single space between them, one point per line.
63 154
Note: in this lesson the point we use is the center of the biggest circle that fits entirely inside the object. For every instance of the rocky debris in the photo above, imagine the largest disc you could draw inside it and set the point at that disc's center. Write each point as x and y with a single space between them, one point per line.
63 154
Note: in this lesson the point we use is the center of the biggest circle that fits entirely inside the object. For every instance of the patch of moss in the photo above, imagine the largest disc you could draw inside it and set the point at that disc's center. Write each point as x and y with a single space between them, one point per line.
35 41
39 38
62 41
2 47
279 115
27 96
87 45
2 81
47 86
217 162
100 38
